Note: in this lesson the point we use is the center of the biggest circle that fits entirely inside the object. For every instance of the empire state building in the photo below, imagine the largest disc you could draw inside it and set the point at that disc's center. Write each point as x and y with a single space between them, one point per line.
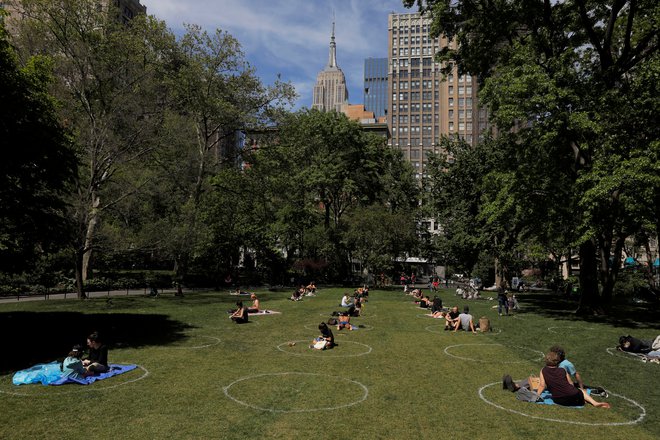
330 92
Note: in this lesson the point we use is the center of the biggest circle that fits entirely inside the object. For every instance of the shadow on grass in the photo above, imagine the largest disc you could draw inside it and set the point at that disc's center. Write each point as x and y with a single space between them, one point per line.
551 305
29 338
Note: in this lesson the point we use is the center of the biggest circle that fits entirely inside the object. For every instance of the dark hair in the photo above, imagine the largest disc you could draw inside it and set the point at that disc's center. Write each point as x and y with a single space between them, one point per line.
560 351
466 309
323 326
94 337
239 304
76 351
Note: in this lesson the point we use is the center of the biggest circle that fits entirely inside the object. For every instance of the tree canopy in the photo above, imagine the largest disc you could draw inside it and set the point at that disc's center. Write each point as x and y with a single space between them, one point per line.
568 86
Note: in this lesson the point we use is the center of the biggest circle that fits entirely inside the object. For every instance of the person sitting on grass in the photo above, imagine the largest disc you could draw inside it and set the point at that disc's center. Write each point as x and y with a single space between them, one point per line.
298 294
311 288
326 340
573 374
255 304
346 300
465 321
72 366
240 315
451 318
97 361
436 305
558 382
344 321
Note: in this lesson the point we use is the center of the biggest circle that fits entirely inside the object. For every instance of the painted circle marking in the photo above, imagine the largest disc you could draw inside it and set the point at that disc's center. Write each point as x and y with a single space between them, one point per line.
325 355
551 329
631 422
80 390
196 347
274 410
501 345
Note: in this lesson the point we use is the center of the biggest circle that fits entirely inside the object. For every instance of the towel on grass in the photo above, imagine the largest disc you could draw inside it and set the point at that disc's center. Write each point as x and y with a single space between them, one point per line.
264 312
547 399
51 374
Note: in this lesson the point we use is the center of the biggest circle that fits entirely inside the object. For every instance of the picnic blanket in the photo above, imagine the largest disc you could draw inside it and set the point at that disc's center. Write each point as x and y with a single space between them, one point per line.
547 399
265 312
51 374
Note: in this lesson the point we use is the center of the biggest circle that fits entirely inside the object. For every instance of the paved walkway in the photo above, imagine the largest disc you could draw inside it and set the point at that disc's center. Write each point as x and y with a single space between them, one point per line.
72 295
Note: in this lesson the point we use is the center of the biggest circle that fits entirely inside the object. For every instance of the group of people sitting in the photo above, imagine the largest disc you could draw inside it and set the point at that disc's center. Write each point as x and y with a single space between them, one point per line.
303 291
560 378
76 365
355 303
240 314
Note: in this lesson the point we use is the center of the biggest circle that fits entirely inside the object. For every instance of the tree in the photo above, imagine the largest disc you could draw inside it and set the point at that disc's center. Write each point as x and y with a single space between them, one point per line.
321 168
38 166
110 83
556 77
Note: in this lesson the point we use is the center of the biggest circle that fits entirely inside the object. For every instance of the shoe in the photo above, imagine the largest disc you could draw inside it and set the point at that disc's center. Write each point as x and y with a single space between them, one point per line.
507 383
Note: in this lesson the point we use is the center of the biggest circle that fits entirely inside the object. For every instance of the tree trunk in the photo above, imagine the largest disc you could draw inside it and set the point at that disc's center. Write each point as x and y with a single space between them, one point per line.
80 283
89 236
590 297
611 271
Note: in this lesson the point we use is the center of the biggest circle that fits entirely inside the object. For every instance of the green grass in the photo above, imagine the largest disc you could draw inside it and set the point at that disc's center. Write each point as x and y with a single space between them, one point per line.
401 376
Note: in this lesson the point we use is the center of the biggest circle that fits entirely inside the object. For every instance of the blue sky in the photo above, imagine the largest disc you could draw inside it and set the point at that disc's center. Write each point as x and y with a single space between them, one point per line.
292 37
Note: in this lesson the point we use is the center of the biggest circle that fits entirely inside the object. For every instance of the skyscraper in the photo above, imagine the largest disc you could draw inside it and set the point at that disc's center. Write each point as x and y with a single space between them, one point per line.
422 106
330 92
375 86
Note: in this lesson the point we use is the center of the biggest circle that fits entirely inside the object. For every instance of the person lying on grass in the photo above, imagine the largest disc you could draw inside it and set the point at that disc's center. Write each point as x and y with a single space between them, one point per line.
344 321
325 340
465 321
439 314
424 302
97 361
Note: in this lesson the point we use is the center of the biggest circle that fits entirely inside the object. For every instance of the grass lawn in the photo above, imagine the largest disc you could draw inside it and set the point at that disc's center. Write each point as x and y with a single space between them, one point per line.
399 376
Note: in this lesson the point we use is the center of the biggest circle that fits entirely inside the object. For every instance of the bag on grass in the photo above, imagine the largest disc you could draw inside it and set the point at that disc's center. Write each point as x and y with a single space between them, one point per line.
656 343
534 383
484 324
525 395
332 321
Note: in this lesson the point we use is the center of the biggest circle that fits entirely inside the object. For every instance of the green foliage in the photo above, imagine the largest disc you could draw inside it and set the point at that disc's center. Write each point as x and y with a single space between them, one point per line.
572 88
39 164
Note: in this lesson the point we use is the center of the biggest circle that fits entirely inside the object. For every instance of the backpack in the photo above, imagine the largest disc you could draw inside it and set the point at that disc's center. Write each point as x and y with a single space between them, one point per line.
332 321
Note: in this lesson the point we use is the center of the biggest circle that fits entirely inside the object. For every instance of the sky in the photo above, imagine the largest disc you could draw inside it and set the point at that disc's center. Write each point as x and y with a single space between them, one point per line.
292 37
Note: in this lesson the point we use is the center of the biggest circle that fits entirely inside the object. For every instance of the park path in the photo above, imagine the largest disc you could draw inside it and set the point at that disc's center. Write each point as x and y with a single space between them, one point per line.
72 295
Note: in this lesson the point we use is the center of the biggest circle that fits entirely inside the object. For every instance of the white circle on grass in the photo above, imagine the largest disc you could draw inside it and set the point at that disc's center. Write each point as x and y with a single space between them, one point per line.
625 355
520 413
552 329
82 388
325 355
431 327
275 410
490 360
315 327
196 347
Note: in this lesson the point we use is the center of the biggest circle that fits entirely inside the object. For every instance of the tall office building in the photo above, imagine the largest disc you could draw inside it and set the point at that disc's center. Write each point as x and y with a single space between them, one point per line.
375 86
423 107
330 91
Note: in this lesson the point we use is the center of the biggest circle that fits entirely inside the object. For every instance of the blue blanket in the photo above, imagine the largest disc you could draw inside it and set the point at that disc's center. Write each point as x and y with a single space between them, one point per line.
547 399
50 374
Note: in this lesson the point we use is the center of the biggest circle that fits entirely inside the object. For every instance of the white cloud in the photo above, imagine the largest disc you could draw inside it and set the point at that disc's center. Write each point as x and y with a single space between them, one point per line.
292 37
